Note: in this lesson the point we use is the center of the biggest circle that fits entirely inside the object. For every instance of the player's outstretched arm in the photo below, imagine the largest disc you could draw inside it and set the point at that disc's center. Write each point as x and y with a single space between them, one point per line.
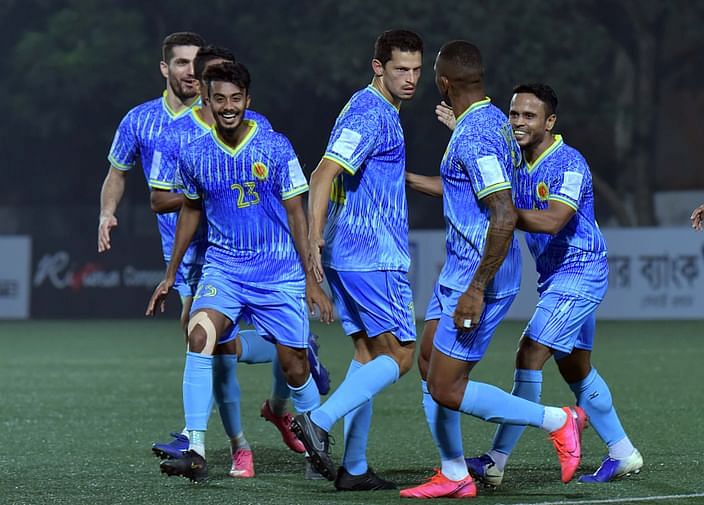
110 196
315 296
163 202
445 115
502 222
697 218
188 222
429 185
550 220
318 197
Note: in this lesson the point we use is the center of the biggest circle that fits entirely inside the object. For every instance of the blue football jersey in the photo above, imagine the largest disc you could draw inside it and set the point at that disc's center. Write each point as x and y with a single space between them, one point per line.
242 191
164 175
136 137
479 160
574 260
367 226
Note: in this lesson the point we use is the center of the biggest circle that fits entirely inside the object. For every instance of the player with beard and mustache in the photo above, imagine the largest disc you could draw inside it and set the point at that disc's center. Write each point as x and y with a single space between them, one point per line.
138 131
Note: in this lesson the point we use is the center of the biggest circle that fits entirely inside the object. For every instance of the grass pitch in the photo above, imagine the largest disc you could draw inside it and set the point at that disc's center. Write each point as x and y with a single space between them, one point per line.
82 402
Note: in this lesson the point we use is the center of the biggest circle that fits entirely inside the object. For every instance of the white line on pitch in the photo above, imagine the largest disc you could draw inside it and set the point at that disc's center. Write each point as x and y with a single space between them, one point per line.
615 500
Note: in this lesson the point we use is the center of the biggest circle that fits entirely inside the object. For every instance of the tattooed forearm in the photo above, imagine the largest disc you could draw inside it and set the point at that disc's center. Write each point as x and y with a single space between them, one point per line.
498 239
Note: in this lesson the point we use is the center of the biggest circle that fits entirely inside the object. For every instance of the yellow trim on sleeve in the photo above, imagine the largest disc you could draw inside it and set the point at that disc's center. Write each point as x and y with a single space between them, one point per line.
294 192
499 186
167 186
344 164
564 200
191 196
118 165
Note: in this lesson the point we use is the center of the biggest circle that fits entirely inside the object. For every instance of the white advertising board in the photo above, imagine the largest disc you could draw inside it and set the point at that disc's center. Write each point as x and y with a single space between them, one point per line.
654 273
15 261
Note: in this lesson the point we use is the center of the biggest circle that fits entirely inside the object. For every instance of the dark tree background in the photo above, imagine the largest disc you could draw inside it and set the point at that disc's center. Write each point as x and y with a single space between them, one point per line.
627 72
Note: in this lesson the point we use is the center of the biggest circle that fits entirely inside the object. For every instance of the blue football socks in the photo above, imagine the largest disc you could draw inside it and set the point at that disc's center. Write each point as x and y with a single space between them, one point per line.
197 390
255 349
497 406
359 387
306 397
594 397
527 384
444 426
226 390
356 429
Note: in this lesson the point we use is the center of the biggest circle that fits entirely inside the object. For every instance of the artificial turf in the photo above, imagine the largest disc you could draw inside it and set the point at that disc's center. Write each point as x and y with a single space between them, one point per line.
82 402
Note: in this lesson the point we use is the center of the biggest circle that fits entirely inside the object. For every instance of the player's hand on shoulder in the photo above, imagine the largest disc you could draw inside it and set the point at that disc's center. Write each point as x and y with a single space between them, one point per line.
159 297
106 223
697 218
445 115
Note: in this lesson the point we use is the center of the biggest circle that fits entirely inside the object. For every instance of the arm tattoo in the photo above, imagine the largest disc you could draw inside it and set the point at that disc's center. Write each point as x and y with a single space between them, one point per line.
502 222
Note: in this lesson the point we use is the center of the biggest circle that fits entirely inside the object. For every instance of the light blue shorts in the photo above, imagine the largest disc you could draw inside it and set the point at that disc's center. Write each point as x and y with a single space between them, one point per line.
467 345
187 278
279 316
375 302
563 322
434 311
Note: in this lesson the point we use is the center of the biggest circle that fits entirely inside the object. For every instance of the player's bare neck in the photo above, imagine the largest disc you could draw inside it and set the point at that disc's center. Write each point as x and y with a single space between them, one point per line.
378 84
175 103
533 152
234 138
205 115
464 100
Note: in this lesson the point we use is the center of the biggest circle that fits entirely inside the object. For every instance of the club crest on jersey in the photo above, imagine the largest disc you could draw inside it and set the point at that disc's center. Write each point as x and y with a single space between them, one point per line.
260 170
542 191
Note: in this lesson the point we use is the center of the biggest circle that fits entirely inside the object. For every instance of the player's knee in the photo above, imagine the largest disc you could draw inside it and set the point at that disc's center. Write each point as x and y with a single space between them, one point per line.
445 394
294 366
531 355
202 335
197 340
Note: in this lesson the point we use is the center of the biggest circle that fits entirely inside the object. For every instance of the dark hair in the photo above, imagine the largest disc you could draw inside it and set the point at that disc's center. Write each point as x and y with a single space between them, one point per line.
403 40
463 55
209 53
179 39
235 73
543 92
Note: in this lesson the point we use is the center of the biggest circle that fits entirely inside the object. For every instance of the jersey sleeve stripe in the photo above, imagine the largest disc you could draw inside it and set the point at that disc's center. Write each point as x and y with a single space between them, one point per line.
493 189
161 184
191 196
294 192
566 201
343 163
118 165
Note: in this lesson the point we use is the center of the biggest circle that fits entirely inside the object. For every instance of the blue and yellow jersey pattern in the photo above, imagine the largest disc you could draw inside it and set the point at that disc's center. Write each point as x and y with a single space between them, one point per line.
135 139
573 260
480 160
164 173
367 227
242 191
